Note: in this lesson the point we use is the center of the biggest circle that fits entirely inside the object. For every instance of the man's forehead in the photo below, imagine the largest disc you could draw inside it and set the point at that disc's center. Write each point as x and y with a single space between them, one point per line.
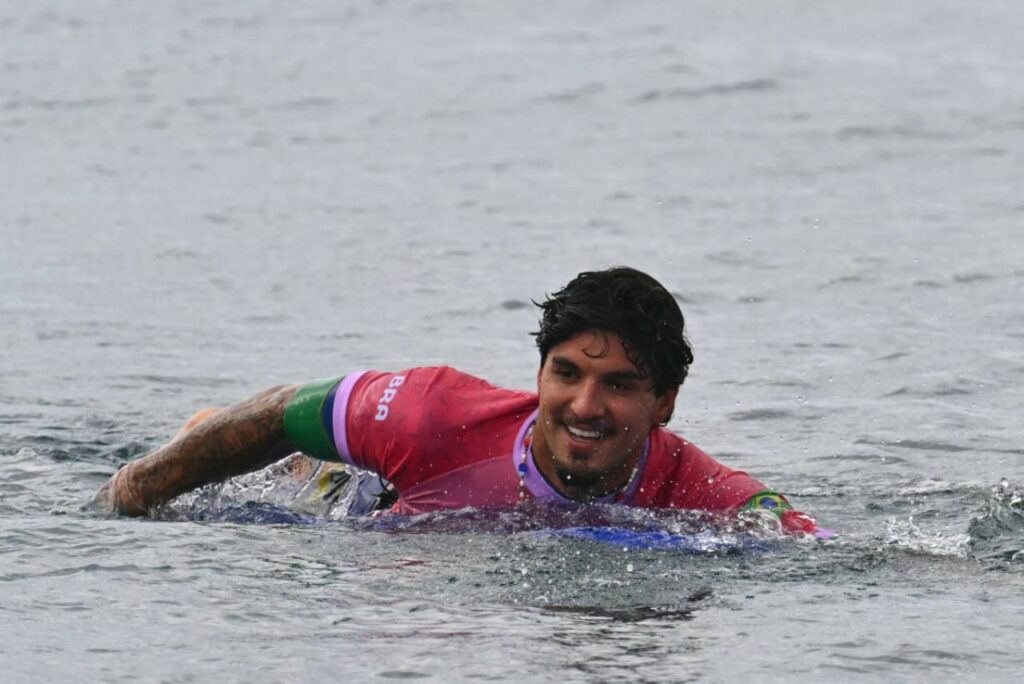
597 345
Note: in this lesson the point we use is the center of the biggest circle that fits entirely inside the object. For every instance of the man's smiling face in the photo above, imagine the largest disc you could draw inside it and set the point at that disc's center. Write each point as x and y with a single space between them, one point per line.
596 410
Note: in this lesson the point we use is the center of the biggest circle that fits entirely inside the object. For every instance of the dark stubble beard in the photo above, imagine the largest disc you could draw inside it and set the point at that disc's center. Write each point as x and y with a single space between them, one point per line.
584 486
578 481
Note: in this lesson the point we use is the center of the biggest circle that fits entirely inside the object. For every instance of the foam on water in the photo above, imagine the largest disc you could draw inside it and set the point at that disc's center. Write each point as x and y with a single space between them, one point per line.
998 533
905 535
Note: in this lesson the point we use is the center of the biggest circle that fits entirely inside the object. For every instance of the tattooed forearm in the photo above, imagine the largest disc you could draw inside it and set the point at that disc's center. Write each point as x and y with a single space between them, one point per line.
238 439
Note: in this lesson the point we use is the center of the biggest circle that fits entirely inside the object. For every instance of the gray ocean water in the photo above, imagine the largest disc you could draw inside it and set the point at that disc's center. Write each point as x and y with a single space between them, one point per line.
200 200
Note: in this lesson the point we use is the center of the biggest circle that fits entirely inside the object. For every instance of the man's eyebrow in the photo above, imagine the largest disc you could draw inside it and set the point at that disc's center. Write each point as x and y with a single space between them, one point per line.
625 376
619 376
563 362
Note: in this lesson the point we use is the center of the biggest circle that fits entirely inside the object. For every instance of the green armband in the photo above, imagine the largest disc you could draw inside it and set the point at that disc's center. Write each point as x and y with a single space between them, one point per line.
304 420
769 501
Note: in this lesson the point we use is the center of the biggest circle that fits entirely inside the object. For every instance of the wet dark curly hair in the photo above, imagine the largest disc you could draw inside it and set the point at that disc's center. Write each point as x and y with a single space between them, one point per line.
631 304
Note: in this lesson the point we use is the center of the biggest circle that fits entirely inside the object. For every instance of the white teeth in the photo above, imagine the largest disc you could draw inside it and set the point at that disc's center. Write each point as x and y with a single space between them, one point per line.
585 434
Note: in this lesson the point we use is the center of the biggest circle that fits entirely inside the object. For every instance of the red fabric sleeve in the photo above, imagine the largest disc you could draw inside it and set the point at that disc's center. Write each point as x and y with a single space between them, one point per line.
416 424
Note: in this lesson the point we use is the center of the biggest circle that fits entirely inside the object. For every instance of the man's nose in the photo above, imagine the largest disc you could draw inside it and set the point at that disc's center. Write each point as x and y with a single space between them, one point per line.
587 403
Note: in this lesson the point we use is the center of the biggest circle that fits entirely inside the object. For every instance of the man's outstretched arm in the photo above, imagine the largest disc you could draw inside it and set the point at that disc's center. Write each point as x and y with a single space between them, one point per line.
240 438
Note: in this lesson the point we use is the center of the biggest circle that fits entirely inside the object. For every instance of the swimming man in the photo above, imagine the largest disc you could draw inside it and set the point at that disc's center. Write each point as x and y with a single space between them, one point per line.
613 354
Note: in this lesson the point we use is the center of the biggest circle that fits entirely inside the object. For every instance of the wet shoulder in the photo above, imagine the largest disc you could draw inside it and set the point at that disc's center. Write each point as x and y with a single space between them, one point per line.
679 474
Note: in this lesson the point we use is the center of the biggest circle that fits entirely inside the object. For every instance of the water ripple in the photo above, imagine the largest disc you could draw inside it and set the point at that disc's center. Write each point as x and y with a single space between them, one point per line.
998 533
761 414
748 86
920 445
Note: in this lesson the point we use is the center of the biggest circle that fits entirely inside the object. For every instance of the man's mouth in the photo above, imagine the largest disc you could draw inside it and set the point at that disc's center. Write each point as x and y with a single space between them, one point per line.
582 433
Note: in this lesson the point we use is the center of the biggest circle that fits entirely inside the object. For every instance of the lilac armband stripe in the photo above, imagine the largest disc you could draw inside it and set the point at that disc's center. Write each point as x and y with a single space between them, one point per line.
341 398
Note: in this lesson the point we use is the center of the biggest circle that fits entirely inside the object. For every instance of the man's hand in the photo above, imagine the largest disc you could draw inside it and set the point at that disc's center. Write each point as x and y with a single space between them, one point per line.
213 446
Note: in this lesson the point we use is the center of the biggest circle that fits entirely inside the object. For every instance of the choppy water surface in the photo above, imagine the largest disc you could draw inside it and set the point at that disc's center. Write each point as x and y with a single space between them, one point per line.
203 200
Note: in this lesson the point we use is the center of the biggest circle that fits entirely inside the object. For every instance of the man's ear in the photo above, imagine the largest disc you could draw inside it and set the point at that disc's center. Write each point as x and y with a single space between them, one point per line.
665 403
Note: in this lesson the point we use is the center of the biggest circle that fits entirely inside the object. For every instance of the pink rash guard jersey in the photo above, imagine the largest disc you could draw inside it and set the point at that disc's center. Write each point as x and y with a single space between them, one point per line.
446 439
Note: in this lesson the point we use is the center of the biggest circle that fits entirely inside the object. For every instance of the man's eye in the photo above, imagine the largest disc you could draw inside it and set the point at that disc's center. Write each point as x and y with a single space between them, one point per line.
564 373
